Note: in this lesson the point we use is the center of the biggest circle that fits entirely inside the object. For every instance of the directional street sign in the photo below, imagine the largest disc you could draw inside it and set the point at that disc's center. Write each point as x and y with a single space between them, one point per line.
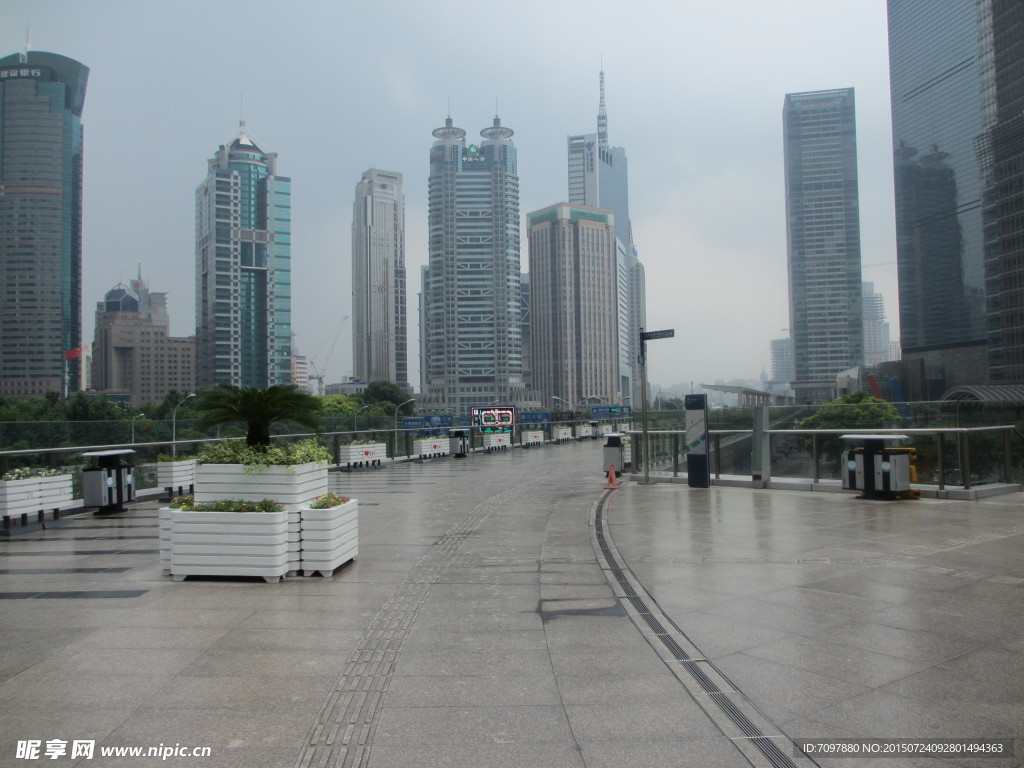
648 335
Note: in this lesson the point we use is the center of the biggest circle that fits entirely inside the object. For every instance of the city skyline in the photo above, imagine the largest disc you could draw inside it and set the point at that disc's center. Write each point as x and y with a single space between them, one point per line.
705 171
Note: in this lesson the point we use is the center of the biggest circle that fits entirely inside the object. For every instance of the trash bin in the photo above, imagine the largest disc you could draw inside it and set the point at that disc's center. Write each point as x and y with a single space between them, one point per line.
458 442
110 481
613 454
877 470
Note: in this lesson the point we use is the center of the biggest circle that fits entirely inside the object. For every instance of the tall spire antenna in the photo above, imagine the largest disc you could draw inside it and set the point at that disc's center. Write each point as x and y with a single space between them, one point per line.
241 109
28 35
602 116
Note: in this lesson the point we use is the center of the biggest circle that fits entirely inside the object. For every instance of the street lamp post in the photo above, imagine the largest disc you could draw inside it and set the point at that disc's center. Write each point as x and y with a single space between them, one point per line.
355 417
136 416
394 445
174 424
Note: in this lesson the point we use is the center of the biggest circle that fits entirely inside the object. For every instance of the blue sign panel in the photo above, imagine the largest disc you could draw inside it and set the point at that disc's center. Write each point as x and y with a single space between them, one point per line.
432 425
535 417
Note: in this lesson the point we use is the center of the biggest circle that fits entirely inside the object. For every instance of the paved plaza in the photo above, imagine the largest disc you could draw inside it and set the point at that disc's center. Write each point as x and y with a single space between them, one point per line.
505 610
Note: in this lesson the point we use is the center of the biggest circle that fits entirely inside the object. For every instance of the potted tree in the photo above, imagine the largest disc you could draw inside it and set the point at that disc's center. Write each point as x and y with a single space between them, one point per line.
291 473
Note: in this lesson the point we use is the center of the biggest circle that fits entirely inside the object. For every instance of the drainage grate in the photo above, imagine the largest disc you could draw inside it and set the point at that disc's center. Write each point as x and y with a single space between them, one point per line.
726 701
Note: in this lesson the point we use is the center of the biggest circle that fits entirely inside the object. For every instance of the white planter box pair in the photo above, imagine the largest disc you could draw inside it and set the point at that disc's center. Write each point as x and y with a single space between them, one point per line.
264 544
531 437
497 441
430 447
362 455
176 474
34 494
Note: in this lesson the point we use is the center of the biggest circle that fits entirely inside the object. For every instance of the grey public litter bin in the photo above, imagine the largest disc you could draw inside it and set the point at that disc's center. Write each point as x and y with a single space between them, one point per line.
613 454
458 442
877 470
110 481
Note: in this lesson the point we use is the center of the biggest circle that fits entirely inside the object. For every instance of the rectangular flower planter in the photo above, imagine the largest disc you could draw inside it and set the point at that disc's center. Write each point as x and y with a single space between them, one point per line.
330 537
178 476
497 441
604 429
288 486
561 434
531 437
33 495
430 447
584 430
228 544
362 455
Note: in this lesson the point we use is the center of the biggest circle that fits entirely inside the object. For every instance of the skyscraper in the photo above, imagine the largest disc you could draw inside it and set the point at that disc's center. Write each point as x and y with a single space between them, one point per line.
41 99
243 268
599 178
936 58
1002 163
379 325
573 312
472 349
876 329
823 235
133 352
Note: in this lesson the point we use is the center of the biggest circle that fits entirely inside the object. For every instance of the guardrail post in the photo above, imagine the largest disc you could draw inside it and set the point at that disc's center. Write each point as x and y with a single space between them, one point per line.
675 454
814 459
940 457
965 459
1007 466
337 450
716 442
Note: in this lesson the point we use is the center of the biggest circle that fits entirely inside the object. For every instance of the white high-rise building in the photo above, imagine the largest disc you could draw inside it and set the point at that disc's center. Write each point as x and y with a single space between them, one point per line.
598 178
379 325
876 329
573 312
472 346
823 233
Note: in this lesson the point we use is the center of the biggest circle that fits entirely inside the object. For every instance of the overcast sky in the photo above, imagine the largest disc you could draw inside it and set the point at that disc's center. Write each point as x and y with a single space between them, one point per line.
694 93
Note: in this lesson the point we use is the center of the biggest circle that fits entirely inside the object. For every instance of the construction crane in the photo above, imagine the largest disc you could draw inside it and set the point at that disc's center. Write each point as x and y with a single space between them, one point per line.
319 375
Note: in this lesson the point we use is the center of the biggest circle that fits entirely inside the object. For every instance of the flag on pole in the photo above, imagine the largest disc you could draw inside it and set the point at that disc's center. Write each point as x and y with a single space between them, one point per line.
73 354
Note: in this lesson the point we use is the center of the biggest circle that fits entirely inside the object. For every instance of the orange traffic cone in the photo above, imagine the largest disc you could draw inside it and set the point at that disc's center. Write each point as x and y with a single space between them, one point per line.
612 480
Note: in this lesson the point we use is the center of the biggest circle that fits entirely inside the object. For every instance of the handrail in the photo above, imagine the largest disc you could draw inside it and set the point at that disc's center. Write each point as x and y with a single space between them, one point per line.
961 434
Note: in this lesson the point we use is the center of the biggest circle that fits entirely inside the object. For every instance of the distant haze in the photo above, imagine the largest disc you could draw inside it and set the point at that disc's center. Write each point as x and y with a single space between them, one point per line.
694 92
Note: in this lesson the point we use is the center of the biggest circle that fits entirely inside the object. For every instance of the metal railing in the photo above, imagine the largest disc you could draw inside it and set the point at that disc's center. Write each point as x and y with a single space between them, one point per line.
944 456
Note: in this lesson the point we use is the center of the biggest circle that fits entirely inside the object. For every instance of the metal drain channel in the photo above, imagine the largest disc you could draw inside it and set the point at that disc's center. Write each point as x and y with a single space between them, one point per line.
729 702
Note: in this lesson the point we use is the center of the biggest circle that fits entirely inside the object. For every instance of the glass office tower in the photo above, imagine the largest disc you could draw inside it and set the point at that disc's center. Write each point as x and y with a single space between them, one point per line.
379 332
472 349
823 235
935 73
41 99
243 268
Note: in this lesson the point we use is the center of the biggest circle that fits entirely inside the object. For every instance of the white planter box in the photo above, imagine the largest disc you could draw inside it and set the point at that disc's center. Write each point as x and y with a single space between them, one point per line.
499 441
362 455
604 429
19 496
34 494
176 474
228 544
560 434
288 486
430 447
330 537
54 492
164 515
584 430
531 437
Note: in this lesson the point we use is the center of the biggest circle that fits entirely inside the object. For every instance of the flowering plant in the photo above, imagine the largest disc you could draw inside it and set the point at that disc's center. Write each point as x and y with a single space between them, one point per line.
27 473
328 500
189 504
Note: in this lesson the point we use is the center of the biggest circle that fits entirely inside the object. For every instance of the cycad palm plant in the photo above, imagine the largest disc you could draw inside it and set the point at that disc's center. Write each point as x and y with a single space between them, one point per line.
258 408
